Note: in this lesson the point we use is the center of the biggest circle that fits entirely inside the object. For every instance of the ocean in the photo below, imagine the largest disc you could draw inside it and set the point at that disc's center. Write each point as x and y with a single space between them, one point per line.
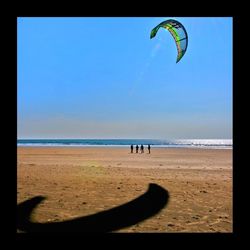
187 143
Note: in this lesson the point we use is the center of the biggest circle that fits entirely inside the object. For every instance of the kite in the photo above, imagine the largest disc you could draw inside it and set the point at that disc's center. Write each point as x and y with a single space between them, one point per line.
178 32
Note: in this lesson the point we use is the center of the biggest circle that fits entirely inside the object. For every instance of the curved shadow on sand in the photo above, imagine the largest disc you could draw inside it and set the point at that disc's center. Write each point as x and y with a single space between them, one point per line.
128 214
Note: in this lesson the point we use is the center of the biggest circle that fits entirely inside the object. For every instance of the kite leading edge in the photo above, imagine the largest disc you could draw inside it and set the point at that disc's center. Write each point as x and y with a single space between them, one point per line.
178 32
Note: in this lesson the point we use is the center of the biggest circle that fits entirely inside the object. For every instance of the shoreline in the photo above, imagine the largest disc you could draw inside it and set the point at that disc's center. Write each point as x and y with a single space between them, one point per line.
127 146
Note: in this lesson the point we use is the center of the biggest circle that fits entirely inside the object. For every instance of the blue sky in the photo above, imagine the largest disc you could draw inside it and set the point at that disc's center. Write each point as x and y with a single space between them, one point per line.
105 78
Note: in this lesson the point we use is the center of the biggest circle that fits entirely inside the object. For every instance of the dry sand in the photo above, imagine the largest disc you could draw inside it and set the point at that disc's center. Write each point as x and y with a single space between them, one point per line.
83 181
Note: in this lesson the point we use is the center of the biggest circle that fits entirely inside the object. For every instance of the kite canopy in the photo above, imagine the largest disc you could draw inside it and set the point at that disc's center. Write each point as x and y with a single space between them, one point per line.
178 32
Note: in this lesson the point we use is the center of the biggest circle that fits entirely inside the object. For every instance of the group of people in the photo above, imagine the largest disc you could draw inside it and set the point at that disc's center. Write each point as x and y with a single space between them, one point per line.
137 149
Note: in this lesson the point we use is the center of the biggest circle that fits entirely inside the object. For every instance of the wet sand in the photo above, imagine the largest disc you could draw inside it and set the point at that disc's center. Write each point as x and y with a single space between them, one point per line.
79 181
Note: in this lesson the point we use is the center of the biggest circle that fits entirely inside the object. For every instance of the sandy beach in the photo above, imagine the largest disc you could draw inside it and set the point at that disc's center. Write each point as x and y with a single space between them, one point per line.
80 181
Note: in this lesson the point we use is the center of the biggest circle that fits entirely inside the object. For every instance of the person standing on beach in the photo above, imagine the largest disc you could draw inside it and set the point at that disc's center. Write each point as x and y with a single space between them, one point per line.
149 148
132 148
136 148
142 149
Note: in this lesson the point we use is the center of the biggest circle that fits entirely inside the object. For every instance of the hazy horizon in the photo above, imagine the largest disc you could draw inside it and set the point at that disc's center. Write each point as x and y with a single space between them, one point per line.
117 138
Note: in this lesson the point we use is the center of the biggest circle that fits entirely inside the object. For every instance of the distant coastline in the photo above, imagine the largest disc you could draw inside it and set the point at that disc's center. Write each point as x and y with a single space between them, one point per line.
185 143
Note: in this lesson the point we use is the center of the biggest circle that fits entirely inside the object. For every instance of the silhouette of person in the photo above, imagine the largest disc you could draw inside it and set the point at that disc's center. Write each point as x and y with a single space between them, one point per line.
136 148
149 148
142 149
132 148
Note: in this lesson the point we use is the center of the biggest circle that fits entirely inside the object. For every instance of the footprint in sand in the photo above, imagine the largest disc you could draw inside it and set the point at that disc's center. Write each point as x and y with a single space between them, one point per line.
196 217
171 225
203 191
